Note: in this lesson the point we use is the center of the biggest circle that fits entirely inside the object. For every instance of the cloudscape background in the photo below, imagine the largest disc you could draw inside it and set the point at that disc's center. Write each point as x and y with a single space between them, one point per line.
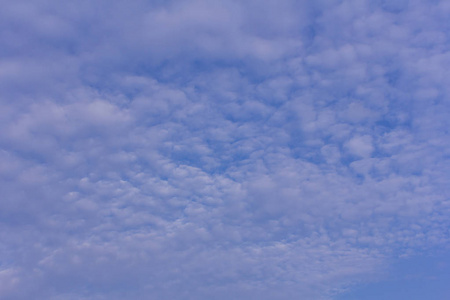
213 149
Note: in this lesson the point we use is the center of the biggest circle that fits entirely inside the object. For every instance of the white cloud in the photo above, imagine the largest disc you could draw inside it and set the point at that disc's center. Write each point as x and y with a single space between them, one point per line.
360 145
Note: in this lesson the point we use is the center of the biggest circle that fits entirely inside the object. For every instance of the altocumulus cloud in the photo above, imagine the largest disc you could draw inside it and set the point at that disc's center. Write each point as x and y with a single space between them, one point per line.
220 149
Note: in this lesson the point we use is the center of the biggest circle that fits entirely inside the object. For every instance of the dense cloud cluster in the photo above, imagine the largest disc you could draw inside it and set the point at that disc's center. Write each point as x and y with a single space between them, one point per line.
219 149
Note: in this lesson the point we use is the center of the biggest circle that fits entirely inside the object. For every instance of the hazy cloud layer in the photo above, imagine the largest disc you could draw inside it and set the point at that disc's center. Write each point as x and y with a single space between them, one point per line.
219 149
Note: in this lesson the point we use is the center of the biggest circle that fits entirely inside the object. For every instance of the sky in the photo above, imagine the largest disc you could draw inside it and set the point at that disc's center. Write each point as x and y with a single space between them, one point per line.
224 149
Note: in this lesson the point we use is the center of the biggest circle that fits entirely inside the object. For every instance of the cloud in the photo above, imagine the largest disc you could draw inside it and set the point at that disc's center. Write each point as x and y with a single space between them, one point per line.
360 146
208 149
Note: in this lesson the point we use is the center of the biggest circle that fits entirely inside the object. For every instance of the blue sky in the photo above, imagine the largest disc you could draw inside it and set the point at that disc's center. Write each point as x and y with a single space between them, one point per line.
218 149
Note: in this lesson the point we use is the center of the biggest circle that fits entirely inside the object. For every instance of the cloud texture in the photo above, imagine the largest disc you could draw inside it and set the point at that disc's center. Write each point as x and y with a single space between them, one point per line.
219 149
